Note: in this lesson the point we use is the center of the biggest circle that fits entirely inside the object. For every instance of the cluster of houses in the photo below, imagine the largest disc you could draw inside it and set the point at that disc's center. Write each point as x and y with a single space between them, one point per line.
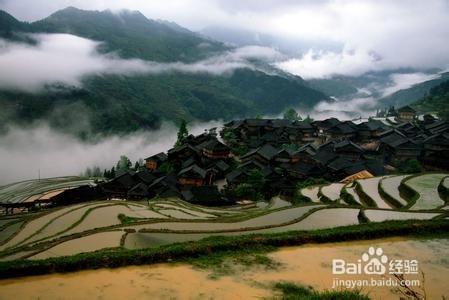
207 169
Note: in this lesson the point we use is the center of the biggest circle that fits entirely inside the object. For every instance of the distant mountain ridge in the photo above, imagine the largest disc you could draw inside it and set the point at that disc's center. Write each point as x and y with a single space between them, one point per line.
437 101
412 94
120 104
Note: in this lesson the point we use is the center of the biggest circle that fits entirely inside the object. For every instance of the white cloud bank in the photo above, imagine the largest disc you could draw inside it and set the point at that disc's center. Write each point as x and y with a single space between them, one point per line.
25 151
323 64
65 58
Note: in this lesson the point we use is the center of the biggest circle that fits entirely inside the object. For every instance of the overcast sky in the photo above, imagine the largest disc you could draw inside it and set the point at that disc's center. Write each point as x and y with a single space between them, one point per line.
374 34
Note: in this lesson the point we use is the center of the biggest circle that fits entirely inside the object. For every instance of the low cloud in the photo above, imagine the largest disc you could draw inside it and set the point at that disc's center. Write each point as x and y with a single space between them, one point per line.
25 151
66 59
324 64
404 81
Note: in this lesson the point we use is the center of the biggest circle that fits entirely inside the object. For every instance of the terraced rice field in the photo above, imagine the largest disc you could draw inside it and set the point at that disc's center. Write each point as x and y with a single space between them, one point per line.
383 215
34 189
311 193
332 191
391 186
88 243
427 188
353 193
96 225
370 187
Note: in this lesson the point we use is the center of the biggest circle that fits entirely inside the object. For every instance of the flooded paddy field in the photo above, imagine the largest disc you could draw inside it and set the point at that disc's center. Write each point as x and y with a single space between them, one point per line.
308 265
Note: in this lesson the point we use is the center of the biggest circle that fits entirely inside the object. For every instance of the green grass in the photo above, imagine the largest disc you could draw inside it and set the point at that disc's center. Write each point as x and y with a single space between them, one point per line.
230 262
214 245
347 197
364 197
292 291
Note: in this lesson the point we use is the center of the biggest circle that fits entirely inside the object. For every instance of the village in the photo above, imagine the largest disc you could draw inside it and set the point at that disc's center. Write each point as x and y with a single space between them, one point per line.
256 159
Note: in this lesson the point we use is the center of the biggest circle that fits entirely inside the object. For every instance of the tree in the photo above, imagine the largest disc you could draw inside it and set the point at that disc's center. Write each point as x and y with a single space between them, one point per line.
308 119
112 173
182 133
96 171
136 166
292 115
124 164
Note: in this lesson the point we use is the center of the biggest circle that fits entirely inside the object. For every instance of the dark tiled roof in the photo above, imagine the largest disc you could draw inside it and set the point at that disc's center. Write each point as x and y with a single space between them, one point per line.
145 176
347 143
373 125
342 128
140 189
203 195
160 157
193 168
406 109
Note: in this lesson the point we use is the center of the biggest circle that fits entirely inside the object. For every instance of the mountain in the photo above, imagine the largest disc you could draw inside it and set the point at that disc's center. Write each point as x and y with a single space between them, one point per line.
412 94
121 104
437 101
131 34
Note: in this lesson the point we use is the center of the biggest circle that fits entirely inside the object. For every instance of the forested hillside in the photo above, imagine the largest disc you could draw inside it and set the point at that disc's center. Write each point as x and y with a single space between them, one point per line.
436 102
120 104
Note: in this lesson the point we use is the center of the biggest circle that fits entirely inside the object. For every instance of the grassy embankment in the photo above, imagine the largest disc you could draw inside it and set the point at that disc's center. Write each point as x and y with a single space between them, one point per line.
226 246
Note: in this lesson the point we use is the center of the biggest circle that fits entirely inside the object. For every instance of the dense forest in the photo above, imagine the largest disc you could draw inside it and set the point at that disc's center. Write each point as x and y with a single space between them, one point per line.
436 102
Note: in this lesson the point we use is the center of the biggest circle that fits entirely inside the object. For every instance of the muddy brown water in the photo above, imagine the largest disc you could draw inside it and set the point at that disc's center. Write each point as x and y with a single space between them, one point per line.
308 265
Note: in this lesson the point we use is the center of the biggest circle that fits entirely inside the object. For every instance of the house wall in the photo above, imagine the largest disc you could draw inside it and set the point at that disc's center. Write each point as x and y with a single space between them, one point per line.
191 181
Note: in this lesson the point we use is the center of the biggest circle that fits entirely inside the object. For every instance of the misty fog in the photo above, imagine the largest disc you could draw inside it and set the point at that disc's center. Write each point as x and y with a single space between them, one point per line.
66 58
23 152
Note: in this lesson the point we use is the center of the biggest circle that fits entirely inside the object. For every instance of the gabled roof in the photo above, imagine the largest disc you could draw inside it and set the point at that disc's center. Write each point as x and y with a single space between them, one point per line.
251 162
187 163
325 156
235 174
204 195
394 138
266 151
182 148
213 145
303 125
195 169
347 144
439 138
168 180
406 108
342 128
145 176
280 123
159 157
140 189
340 163
256 122
221 165
372 125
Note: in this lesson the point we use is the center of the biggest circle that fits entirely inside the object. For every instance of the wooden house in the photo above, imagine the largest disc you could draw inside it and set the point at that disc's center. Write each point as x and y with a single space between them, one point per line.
406 113
395 146
263 154
348 150
205 195
370 130
214 149
436 151
154 161
193 175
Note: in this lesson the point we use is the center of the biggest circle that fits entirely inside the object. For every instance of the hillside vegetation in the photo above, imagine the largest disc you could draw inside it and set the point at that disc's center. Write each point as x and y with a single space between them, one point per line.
436 102
121 104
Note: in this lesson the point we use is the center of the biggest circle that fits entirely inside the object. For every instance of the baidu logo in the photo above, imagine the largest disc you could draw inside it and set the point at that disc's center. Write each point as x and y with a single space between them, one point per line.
373 262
